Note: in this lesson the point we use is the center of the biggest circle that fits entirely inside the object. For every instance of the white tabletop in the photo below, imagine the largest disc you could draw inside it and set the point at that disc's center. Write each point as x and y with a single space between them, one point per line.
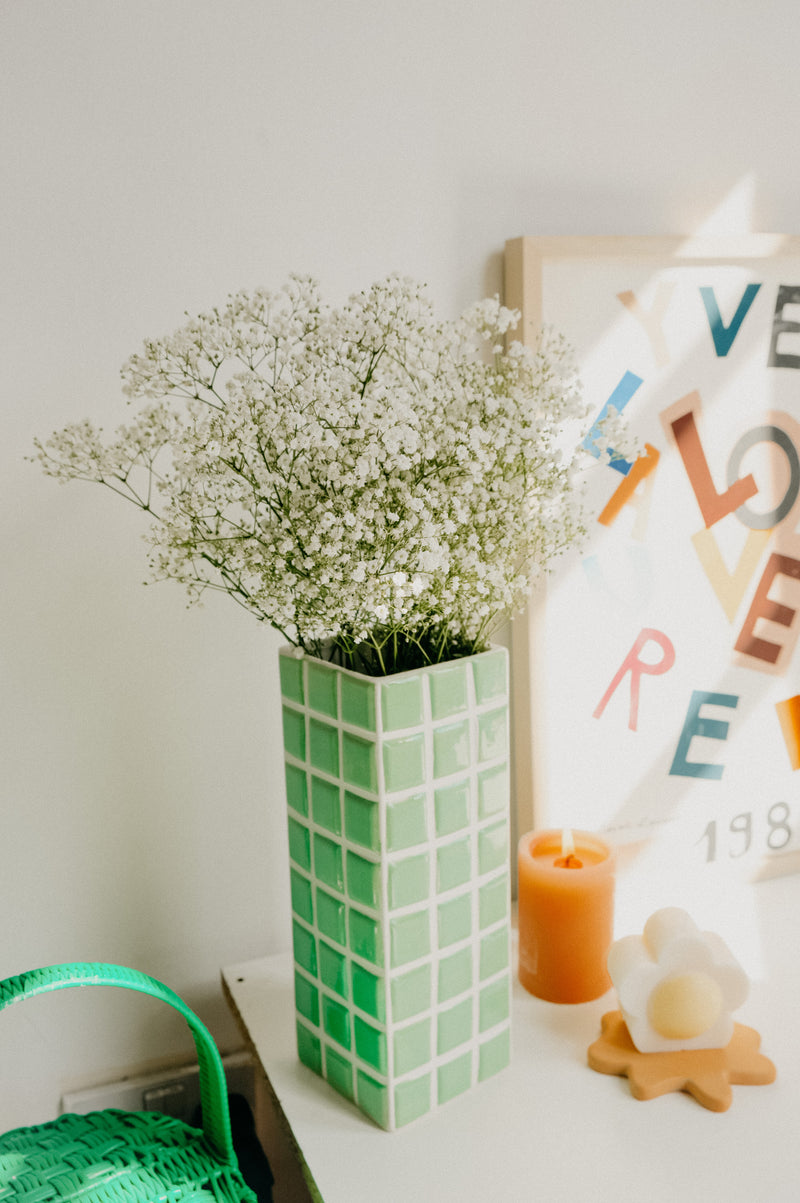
549 1127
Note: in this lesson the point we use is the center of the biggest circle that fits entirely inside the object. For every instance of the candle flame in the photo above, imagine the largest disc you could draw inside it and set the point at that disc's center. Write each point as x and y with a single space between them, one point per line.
568 859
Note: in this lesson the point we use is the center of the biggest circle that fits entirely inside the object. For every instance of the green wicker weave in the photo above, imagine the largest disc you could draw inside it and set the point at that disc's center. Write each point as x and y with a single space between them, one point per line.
123 1156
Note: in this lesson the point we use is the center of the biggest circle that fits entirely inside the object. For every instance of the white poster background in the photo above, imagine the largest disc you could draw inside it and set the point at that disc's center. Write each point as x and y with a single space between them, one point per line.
643 572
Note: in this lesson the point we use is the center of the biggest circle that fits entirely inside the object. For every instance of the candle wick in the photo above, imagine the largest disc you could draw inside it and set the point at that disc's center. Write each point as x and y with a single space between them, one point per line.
569 862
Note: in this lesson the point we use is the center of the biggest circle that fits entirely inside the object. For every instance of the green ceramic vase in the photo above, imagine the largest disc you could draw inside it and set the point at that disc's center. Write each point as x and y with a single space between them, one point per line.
398 805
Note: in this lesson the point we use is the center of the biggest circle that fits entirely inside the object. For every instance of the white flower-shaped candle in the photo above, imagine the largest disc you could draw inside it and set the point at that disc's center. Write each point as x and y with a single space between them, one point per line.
677 986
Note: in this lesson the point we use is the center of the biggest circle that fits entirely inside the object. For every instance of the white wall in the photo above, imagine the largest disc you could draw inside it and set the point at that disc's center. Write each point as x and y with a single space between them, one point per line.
156 155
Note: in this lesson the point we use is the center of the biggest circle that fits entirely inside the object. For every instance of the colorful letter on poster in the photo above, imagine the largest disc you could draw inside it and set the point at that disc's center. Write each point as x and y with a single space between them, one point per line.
634 665
709 728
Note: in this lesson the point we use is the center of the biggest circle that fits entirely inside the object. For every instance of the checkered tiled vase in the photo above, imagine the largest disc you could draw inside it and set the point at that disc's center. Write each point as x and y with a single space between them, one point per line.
398 794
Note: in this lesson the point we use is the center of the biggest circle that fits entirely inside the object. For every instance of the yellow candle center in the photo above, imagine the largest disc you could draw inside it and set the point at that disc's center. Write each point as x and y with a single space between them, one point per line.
684 1006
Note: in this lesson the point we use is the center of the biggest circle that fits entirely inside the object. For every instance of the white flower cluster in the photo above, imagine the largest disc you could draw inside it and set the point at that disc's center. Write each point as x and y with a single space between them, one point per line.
356 474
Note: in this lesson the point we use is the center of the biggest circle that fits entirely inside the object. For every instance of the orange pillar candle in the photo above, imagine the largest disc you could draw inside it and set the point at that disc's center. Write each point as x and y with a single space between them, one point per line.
566 915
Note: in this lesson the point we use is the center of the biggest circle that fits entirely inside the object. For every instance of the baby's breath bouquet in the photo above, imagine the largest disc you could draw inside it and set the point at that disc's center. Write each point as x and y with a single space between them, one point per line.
378 485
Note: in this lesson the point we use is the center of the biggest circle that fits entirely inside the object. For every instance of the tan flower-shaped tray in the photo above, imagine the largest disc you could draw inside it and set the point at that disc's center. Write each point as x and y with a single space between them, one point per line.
706 1074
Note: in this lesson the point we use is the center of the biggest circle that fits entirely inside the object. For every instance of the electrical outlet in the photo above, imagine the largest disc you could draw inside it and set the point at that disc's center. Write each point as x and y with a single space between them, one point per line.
174 1092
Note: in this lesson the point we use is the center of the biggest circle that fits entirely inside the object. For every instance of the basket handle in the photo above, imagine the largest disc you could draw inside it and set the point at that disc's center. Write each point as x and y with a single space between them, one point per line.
213 1088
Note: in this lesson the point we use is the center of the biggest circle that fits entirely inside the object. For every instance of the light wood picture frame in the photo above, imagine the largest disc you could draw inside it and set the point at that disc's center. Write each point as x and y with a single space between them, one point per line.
656 674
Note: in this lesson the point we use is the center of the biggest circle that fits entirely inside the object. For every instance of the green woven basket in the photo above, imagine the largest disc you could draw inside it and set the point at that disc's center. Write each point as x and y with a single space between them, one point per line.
123 1156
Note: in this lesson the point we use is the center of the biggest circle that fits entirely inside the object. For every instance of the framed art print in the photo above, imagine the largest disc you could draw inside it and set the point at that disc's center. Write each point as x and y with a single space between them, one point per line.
656 674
